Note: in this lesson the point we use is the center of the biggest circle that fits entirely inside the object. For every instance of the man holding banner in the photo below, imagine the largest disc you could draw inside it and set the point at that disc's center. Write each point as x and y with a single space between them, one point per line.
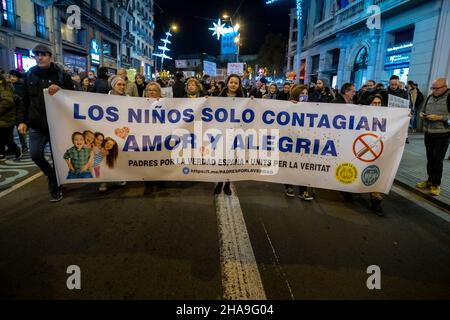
31 114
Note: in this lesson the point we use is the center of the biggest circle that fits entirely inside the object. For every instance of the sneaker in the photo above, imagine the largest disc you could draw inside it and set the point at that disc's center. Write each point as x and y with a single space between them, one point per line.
290 192
24 149
305 196
423 185
121 183
103 187
227 190
435 190
55 197
2 158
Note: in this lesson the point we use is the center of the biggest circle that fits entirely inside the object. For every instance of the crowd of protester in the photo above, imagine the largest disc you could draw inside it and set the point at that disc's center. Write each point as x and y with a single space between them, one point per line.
22 106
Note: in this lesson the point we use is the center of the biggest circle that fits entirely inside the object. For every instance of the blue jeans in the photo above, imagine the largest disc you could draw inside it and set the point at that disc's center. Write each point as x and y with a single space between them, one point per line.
80 175
38 141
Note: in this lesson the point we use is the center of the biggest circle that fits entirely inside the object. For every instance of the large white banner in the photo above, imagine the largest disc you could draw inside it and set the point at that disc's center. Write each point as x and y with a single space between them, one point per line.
97 137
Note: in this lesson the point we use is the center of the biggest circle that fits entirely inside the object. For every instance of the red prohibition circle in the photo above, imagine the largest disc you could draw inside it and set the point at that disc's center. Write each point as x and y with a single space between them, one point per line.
359 138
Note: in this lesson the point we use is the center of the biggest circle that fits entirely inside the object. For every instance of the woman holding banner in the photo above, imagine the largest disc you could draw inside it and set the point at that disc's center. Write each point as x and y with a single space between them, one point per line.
233 89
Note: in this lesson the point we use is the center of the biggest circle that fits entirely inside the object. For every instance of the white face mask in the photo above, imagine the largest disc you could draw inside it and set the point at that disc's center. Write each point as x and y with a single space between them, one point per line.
303 98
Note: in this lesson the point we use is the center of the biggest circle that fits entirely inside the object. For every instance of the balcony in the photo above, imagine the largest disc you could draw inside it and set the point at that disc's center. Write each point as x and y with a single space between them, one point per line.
92 17
348 17
12 21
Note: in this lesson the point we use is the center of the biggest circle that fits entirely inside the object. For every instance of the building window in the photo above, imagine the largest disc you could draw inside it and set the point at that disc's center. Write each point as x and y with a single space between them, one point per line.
320 10
104 9
335 58
7 14
111 14
406 35
94 4
39 16
73 35
109 49
358 76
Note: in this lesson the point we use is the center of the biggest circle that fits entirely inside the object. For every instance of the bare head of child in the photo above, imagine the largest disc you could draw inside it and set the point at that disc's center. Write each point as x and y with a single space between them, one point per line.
98 140
88 138
112 151
78 140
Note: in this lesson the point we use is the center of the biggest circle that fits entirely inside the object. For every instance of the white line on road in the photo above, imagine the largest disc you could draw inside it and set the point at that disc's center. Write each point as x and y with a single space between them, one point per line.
240 275
277 261
21 184
421 202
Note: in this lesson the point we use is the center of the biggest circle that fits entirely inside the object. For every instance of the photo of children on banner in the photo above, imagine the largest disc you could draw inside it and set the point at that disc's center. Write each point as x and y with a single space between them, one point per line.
87 153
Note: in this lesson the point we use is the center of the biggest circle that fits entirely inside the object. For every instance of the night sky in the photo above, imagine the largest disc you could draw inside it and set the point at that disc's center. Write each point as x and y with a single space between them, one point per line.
194 17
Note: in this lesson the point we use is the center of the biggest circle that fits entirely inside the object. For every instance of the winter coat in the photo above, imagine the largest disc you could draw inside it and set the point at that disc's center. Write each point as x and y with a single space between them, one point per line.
7 107
178 89
100 86
32 107
324 96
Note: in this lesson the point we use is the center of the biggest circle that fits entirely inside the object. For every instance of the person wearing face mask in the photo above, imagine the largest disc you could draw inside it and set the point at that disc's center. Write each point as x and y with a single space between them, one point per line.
321 93
91 76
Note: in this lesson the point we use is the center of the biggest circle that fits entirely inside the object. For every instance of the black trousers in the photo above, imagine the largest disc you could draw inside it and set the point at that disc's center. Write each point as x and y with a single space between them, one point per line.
436 145
7 140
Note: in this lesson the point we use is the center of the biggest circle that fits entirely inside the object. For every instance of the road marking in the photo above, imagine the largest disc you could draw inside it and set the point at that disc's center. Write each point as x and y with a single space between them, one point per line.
277 261
240 275
422 202
20 184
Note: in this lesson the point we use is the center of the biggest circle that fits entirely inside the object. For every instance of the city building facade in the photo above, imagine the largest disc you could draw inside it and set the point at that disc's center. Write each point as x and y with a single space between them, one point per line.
342 41
105 27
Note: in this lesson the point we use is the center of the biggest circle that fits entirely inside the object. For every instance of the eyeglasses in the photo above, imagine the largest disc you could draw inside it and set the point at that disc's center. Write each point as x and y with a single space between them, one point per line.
436 88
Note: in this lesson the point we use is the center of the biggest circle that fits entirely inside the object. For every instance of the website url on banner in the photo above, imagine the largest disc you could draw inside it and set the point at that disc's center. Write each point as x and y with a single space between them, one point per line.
228 171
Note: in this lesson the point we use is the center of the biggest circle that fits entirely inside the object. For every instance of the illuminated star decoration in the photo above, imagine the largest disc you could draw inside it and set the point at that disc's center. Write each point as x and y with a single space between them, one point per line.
218 29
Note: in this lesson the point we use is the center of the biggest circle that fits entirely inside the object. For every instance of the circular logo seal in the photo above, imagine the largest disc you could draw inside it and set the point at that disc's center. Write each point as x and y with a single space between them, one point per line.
346 173
186 170
370 175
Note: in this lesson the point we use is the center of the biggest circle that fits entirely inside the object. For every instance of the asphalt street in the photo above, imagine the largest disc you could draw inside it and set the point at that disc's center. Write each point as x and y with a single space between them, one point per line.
182 242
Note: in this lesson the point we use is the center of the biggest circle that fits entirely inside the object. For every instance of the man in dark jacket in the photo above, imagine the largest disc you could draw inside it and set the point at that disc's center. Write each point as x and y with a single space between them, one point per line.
31 114
101 85
346 94
178 87
394 89
284 94
415 102
321 93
